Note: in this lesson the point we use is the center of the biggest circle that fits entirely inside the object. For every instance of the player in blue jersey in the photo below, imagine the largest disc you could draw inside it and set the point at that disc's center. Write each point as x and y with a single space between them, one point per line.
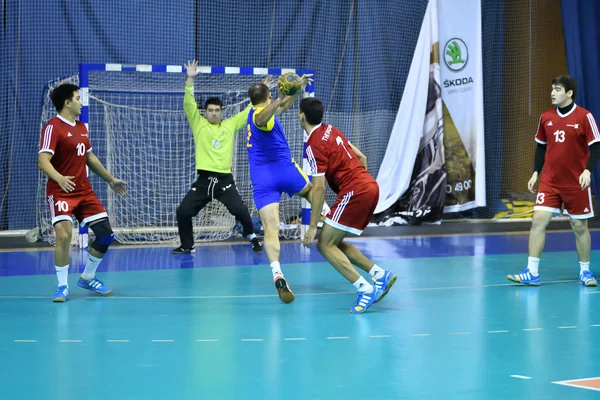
273 171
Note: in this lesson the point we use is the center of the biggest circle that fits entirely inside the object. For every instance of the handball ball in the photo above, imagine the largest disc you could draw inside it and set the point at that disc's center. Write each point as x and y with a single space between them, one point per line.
290 83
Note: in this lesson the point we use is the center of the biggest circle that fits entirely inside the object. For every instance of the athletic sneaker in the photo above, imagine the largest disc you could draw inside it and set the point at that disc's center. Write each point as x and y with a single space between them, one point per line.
525 277
587 279
364 300
283 289
384 283
181 250
95 285
256 245
61 295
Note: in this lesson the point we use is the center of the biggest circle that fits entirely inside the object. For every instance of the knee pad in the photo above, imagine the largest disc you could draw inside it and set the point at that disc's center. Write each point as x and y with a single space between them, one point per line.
104 236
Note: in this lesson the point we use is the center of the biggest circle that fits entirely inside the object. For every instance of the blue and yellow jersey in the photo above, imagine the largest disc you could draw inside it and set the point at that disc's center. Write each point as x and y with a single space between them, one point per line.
267 144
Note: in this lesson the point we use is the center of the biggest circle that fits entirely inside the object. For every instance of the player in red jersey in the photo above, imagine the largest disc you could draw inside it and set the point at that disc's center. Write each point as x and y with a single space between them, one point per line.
568 149
331 156
65 151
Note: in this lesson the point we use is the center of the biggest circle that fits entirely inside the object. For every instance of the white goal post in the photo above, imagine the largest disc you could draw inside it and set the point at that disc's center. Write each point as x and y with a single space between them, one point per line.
139 131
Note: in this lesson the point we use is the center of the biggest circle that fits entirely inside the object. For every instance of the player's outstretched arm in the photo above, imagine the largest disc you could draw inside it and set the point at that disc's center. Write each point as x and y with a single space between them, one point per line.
361 157
95 165
189 102
264 116
241 119
65 182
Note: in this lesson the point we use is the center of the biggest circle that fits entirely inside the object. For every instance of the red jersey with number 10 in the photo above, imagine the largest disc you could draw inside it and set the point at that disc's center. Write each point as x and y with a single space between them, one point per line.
329 153
69 144
567 137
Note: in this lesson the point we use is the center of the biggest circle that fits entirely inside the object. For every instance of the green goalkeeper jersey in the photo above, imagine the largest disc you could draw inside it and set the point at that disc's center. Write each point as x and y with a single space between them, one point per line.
214 143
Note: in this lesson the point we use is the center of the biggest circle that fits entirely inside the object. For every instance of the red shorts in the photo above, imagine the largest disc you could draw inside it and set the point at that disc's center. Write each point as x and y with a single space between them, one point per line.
85 206
352 210
577 203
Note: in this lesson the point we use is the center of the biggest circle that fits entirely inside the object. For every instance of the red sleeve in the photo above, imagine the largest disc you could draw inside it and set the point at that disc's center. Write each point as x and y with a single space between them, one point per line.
49 139
317 158
540 135
591 129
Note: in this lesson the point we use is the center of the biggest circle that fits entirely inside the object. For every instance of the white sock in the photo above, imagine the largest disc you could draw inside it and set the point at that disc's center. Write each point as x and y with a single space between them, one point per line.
251 236
584 266
376 271
63 275
90 267
362 285
276 268
532 264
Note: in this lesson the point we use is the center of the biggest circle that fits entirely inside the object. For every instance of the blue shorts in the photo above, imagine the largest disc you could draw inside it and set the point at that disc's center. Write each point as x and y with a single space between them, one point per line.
271 180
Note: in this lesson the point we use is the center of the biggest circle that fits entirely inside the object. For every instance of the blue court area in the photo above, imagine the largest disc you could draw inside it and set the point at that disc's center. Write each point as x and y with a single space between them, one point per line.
210 325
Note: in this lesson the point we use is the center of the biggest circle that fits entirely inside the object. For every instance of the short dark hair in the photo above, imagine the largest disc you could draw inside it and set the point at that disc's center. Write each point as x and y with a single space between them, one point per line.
258 93
568 82
62 93
215 101
312 108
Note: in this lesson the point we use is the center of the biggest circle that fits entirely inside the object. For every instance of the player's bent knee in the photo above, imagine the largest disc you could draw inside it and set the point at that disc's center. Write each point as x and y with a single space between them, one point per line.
579 226
63 237
63 232
325 243
104 236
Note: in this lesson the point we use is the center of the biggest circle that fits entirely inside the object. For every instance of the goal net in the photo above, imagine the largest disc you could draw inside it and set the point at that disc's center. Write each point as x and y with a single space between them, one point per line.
139 131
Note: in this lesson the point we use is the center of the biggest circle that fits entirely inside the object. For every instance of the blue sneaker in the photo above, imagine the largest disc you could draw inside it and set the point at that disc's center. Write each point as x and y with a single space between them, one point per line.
587 279
95 285
364 300
525 277
385 283
61 295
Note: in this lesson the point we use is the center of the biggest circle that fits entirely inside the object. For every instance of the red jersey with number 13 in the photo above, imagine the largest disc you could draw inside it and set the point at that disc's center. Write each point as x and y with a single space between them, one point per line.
329 153
69 144
567 137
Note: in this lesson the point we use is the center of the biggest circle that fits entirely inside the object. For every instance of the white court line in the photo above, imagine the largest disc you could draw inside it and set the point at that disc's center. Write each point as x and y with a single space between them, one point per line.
70 341
337 337
253 340
595 325
567 327
207 340
117 341
379 336
520 376
256 296
420 334
501 331
25 341
294 338
162 340
532 329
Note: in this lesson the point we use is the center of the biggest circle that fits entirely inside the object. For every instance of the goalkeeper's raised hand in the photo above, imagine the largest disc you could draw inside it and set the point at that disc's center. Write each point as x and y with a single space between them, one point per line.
190 69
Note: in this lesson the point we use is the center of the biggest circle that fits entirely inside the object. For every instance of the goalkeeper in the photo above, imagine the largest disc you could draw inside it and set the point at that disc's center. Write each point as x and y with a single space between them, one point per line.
214 141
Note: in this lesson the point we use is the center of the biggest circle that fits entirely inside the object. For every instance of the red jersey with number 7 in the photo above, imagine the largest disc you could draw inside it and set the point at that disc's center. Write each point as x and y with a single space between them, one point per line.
329 153
69 144
567 137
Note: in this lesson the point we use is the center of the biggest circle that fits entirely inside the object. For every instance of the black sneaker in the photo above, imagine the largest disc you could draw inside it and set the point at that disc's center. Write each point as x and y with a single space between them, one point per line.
181 250
256 246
